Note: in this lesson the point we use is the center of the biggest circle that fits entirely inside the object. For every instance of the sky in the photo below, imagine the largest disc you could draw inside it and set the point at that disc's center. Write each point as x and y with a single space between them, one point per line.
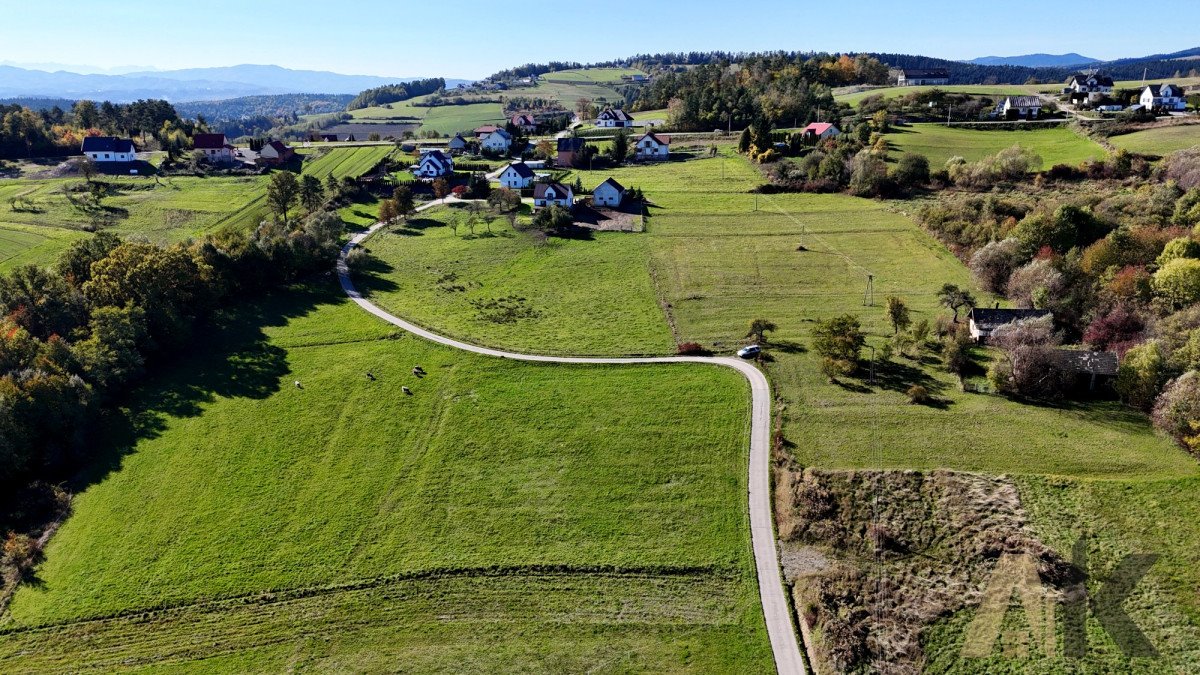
472 39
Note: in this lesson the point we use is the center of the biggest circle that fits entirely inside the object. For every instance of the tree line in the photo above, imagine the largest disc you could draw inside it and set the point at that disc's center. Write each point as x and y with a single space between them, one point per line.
25 132
390 93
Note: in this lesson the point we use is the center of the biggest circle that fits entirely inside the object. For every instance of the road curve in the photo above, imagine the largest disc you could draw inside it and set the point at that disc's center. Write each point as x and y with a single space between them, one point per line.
784 644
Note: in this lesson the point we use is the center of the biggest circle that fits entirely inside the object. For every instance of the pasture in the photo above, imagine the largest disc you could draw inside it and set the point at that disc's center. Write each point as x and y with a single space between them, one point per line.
503 513
1159 140
596 75
1056 145
163 211
853 98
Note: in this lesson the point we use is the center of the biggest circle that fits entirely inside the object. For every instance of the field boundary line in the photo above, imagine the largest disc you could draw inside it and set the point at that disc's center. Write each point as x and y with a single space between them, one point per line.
777 615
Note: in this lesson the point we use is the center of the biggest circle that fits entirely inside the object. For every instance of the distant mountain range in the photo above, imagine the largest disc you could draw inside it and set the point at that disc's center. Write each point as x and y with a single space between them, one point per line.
1035 60
191 84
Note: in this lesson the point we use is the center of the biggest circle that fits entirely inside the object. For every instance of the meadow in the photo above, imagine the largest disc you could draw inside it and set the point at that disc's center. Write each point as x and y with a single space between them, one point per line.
166 210
992 91
502 513
1159 140
597 75
1057 145
344 162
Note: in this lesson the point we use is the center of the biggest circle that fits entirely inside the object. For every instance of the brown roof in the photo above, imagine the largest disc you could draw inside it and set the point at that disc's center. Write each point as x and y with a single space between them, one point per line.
208 141
662 139
560 190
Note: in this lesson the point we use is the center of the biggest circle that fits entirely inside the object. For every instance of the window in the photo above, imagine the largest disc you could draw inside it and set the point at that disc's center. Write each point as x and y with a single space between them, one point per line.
106 155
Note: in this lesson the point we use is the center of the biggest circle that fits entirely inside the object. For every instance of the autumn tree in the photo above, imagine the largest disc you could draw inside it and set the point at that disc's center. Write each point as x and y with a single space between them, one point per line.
441 188
759 329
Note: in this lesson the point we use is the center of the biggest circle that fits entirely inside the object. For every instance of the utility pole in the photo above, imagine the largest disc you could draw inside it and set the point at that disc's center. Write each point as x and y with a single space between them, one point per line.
948 109
869 292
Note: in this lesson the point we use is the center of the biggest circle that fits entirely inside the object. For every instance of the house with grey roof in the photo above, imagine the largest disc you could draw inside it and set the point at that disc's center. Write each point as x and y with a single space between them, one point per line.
983 322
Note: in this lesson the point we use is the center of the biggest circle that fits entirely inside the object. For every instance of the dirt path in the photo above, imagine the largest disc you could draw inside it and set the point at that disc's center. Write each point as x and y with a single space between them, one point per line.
776 613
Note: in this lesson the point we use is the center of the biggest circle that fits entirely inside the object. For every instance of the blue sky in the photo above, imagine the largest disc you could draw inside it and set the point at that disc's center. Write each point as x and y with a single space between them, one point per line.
472 39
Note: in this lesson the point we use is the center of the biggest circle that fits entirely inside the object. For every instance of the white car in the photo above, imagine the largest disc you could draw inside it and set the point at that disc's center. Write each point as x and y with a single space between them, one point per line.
749 351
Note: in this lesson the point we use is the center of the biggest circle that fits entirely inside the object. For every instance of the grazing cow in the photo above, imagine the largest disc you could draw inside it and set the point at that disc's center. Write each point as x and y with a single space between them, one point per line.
406 390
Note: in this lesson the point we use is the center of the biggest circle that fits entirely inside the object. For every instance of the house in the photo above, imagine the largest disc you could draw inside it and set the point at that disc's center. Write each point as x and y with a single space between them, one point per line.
109 149
1084 364
1162 97
984 322
275 152
569 150
912 77
653 146
1090 87
614 117
458 143
609 193
498 141
214 147
434 164
524 122
516 176
485 130
819 131
1021 107
553 194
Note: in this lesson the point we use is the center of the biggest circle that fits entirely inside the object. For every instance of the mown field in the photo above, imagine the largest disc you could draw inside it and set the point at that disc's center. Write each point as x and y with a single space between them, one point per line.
1160 140
501 514
992 90
1057 145
163 211
345 162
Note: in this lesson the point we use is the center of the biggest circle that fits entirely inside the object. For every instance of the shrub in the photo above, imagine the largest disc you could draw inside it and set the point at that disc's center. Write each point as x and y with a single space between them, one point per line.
993 264
357 258
1038 278
1117 329
839 339
1177 410
1142 374
692 349
918 395
1178 281
1180 247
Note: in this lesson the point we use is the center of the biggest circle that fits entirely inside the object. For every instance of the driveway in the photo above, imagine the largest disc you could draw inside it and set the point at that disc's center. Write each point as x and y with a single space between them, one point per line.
784 644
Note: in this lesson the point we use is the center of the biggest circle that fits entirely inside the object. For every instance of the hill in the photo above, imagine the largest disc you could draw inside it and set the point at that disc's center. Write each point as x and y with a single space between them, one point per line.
193 84
1035 60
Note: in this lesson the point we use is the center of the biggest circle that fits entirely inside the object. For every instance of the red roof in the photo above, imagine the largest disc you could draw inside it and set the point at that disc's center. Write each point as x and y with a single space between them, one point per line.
486 129
818 128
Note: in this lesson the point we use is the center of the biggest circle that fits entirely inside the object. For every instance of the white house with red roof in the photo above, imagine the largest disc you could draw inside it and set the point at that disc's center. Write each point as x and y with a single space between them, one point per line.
553 194
652 146
524 122
819 131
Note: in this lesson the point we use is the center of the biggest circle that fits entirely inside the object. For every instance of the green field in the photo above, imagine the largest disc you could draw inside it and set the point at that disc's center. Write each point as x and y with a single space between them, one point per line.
993 91
597 75
345 162
1159 141
164 211
502 513
1057 145
450 119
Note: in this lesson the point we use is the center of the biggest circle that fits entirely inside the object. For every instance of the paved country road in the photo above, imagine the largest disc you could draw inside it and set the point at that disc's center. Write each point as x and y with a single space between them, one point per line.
762 527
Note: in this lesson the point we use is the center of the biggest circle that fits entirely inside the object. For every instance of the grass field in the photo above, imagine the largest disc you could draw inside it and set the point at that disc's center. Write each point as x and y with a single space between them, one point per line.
501 514
450 119
940 143
597 75
168 211
993 91
345 162
1160 140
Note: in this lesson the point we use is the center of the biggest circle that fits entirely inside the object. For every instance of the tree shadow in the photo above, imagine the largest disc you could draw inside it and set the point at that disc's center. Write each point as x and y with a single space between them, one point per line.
235 359
787 347
897 376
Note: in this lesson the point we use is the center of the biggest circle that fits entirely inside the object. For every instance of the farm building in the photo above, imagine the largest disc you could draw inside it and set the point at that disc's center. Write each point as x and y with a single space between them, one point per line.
497 141
553 194
609 193
568 150
214 146
516 176
819 131
984 322
913 77
434 164
1094 367
653 146
275 152
1162 97
109 149
1090 87
1021 107
614 117
524 122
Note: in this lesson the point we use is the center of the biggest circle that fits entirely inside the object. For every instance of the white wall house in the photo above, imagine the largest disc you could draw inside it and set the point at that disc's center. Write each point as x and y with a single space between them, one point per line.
912 77
609 193
553 194
516 176
1021 107
820 131
214 147
652 146
1163 97
109 149
614 117
434 164
1092 86
497 141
